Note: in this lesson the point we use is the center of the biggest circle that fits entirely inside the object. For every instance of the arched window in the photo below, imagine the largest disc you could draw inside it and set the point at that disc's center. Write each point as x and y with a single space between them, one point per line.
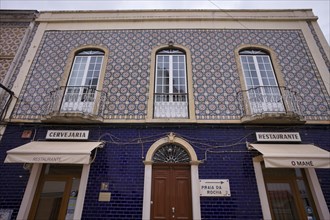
262 87
171 153
170 97
82 84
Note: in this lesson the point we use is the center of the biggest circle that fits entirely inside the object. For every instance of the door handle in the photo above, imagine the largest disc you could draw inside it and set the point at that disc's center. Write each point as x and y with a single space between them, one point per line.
173 210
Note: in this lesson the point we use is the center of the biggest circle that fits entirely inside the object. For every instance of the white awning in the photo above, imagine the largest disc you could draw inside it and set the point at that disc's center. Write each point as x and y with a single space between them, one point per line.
53 152
293 155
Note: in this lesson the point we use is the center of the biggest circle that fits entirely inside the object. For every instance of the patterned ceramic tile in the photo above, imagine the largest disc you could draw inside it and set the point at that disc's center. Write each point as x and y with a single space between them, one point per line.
214 69
11 35
10 39
4 66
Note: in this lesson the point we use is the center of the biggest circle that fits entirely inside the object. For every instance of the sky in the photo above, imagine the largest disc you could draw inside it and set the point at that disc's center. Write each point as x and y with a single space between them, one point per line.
321 8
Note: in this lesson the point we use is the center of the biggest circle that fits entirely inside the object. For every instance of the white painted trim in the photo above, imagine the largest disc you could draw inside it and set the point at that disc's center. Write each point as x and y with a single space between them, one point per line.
30 189
147 191
195 192
82 192
314 185
261 188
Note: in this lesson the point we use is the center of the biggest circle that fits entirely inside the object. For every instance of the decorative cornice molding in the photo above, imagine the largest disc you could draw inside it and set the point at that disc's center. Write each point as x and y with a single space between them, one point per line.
168 15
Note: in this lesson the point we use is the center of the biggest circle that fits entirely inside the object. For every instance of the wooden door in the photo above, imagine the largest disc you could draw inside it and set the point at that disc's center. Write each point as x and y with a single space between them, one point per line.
171 192
284 201
56 194
288 194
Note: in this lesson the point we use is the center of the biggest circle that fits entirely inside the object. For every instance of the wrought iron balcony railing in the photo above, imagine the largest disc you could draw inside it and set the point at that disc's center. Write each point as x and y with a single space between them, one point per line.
77 99
171 105
268 99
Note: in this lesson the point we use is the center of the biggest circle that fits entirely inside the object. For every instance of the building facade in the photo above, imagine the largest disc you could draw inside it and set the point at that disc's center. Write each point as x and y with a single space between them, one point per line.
170 115
16 31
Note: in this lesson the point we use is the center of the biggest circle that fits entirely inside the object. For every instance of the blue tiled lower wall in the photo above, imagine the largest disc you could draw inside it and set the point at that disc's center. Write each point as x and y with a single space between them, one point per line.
120 162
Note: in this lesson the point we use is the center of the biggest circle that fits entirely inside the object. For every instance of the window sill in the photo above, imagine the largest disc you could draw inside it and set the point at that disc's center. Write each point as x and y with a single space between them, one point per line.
72 117
171 120
273 118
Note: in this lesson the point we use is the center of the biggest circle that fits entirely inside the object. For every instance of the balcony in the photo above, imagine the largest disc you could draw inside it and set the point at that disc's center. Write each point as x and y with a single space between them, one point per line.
171 105
270 104
75 104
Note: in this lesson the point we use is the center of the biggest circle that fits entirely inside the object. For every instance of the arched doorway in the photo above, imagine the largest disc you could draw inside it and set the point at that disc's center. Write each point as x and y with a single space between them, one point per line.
171 183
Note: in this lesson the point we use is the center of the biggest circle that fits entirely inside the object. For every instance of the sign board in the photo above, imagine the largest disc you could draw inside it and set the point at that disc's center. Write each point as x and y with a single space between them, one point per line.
67 134
278 136
214 187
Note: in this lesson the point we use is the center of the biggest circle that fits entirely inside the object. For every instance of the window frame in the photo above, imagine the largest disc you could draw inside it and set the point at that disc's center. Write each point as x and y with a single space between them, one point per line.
276 69
258 72
80 91
68 69
167 102
189 86
171 78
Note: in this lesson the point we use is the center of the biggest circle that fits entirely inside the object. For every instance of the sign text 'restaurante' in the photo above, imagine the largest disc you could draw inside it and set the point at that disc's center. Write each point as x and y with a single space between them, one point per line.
278 136
67 134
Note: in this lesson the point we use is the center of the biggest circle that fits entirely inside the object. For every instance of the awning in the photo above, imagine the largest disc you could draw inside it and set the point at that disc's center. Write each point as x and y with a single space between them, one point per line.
293 155
53 152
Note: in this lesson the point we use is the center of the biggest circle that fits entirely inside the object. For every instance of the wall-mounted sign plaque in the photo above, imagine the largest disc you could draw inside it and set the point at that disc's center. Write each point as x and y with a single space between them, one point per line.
278 136
67 134
214 187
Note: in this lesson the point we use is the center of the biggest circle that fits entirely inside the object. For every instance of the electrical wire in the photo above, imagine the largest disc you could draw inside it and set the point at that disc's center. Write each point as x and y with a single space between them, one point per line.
235 19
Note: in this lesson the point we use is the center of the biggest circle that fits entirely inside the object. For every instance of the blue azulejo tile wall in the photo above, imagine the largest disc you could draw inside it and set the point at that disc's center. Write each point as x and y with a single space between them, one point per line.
222 150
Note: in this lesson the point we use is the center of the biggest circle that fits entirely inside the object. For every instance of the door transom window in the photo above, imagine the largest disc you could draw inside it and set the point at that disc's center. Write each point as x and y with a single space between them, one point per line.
171 153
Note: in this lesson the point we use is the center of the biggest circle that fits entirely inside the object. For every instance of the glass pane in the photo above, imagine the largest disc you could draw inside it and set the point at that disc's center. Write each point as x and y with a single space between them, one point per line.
93 59
166 89
91 67
282 201
176 89
50 200
159 89
175 73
